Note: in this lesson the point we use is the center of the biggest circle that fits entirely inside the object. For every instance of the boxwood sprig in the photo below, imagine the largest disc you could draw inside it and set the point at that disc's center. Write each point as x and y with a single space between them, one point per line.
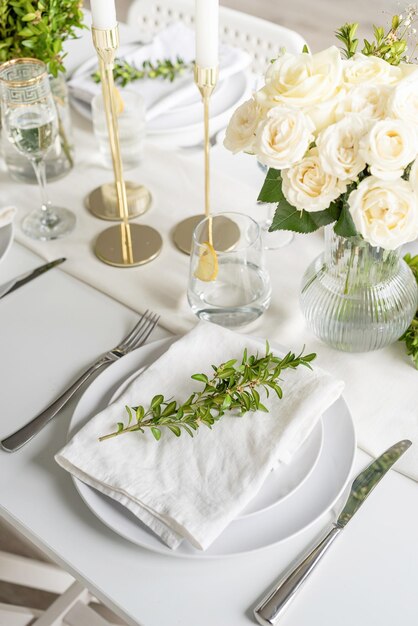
233 387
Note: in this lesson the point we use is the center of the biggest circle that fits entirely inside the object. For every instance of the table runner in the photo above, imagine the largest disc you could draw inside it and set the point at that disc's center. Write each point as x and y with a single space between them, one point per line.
381 387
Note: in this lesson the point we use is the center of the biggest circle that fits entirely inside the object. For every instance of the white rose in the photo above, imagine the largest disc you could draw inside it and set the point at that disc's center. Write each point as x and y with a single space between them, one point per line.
324 113
385 212
389 147
369 69
302 79
403 102
368 100
283 138
242 127
307 186
338 147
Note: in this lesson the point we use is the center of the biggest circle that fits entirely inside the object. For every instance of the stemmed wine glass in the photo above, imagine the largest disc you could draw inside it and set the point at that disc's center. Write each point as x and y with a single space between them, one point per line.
29 119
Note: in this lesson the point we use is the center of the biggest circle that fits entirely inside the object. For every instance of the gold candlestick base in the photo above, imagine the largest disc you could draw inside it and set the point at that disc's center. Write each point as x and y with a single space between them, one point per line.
102 202
227 233
146 244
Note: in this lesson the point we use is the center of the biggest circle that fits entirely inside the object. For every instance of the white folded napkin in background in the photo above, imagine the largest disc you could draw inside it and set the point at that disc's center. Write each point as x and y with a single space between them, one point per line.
7 215
192 488
161 95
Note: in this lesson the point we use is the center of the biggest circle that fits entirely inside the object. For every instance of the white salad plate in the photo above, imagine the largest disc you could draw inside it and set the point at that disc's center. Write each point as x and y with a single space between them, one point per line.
293 497
6 238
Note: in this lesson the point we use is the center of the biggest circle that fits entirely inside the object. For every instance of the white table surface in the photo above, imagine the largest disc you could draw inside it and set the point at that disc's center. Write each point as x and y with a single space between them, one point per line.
49 331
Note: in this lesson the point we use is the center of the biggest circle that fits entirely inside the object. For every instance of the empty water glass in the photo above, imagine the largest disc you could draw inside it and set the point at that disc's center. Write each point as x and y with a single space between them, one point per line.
131 124
238 290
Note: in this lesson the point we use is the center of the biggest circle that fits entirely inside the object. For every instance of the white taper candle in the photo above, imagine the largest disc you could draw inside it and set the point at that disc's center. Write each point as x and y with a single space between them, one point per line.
103 14
207 33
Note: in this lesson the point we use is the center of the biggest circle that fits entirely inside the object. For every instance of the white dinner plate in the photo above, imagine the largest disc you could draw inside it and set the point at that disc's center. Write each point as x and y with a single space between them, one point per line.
6 238
311 484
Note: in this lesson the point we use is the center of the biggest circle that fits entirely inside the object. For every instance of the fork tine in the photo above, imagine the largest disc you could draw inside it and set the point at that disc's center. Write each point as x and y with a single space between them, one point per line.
133 331
141 328
142 333
145 334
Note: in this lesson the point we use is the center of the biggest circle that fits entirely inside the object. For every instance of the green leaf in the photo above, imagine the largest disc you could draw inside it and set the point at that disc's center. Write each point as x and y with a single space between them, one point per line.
256 397
129 412
156 401
29 43
271 190
120 427
287 217
171 406
200 377
345 226
175 429
156 432
140 412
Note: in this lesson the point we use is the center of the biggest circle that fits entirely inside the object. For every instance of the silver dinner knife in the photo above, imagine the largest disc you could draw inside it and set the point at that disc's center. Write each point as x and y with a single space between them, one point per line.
270 609
21 280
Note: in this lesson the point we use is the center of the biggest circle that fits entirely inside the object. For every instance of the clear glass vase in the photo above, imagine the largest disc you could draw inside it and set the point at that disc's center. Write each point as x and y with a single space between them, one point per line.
358 298
60 158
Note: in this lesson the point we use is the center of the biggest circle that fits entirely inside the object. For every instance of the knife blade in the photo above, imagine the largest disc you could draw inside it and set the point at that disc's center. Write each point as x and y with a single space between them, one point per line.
21 280
271 607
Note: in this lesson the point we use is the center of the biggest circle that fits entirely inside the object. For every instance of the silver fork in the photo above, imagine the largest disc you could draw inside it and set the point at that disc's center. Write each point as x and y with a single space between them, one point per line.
137 337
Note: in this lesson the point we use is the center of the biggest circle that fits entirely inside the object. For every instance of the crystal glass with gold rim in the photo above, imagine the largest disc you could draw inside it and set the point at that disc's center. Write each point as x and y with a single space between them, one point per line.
29 119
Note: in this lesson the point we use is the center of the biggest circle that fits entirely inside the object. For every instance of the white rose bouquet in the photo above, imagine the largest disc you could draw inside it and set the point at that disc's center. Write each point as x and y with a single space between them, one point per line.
339 134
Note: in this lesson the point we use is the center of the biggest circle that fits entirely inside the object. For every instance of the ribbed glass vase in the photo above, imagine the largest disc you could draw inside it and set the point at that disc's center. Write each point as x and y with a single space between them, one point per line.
358 298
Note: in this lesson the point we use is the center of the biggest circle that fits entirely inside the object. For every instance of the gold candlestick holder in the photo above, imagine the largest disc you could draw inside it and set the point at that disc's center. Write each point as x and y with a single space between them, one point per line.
125 244
206 79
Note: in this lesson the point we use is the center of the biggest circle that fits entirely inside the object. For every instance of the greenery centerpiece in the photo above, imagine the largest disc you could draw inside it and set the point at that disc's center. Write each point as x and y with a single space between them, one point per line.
39 30
338 131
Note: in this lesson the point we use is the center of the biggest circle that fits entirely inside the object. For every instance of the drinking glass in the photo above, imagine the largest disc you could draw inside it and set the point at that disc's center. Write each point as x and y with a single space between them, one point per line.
241 290
131 125
29 119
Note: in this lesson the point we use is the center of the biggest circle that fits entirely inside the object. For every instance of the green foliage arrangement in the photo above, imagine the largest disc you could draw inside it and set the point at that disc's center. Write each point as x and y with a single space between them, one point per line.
232 388
410 337
38 29
390 45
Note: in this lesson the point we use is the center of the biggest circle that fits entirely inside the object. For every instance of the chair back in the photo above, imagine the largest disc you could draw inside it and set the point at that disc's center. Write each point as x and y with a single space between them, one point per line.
263 40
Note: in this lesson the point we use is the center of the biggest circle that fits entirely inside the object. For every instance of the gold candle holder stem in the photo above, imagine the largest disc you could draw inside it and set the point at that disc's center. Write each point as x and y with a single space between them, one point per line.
206 79
228 234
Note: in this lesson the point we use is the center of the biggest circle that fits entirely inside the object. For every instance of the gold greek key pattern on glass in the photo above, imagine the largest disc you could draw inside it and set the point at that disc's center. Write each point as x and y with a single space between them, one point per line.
27 95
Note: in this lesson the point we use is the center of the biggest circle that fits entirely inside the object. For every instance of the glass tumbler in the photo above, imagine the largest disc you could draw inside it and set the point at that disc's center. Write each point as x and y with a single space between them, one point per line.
239 290
131 124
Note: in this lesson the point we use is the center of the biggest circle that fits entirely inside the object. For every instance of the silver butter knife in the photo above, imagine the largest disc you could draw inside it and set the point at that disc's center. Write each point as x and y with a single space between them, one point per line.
21 280
270 609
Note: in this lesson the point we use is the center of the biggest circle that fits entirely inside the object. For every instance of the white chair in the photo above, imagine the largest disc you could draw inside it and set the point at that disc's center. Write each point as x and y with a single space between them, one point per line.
261 39
71 608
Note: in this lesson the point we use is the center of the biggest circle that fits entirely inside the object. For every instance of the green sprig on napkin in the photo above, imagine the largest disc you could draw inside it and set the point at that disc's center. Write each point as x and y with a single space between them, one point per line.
232 388
166 69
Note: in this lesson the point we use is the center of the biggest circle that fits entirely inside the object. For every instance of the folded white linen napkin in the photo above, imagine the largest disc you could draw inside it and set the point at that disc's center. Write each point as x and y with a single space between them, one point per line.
161 95
7 215
192 488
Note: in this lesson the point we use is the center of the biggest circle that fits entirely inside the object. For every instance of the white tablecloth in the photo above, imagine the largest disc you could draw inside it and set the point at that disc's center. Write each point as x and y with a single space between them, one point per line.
381 387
